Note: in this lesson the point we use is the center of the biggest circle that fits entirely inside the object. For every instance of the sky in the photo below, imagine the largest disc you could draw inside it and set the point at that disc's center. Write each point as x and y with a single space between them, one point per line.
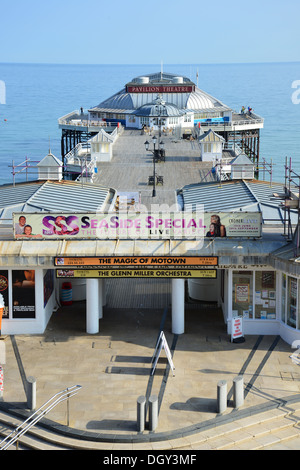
149 32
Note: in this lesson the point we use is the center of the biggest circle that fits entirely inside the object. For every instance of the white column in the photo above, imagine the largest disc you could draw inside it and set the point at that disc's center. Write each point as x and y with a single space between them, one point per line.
100 297
92 306
178 306
103 292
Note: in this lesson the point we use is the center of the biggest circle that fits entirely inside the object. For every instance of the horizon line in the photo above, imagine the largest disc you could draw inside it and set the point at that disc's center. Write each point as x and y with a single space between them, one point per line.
152 64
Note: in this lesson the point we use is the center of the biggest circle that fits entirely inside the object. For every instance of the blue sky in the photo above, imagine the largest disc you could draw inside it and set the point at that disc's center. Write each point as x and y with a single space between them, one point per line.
137 32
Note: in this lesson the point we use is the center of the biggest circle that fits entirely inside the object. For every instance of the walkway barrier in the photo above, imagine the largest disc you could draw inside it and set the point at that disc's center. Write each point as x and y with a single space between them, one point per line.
153 412
238 392
222 396
31 393
15 435
141 413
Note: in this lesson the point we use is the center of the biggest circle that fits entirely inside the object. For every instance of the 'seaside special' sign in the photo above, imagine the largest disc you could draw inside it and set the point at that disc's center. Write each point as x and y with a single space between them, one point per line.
179 225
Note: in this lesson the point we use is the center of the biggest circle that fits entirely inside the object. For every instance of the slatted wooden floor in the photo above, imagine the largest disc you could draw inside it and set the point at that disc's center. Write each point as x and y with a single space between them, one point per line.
131 167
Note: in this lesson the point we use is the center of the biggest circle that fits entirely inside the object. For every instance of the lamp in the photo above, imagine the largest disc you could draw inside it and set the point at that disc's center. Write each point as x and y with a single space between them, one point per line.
155 153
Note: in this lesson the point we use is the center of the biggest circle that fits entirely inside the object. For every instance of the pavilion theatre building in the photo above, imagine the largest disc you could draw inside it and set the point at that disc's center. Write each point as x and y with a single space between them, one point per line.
186 209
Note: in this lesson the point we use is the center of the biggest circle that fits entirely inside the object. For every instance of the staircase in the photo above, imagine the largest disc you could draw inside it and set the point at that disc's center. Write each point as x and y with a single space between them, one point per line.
274 429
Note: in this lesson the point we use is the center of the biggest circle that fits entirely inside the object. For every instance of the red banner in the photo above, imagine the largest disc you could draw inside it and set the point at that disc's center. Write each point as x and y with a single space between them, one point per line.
160 89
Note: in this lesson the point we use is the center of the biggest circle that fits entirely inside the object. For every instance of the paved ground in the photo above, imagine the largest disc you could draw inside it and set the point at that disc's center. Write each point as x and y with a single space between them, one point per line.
114 369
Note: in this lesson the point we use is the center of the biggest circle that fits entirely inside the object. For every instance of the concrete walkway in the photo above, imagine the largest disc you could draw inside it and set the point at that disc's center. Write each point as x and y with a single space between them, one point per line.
114 369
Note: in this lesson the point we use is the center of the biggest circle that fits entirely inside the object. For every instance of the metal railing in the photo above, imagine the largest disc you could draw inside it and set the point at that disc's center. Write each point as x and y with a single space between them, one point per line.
23 428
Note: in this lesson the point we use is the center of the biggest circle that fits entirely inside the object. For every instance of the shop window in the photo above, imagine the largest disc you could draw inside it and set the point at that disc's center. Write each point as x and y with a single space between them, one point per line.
292 302
283 298
242 294
265 294
23 293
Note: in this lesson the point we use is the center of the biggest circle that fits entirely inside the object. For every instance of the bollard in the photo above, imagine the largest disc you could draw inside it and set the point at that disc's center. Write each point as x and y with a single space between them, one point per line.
31 393
153 412
238 392
222 396
141 418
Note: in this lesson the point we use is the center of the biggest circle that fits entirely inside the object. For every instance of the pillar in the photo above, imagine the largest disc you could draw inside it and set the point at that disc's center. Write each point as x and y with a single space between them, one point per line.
222 396
31 393
100 297
177 306
92 306
103 292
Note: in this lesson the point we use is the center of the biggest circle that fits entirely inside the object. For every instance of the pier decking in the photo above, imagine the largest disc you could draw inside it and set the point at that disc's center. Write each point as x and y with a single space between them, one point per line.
131 166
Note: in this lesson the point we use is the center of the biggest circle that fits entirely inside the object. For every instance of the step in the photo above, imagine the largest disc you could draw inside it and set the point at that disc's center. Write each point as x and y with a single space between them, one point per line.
246 432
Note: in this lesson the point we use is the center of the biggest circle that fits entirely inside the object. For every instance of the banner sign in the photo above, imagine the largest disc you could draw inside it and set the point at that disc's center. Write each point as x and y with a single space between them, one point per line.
137 273
162 344
160 89
127 225
138 261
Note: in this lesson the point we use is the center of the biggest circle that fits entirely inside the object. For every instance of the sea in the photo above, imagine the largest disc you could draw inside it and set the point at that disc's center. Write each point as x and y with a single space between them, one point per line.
34 96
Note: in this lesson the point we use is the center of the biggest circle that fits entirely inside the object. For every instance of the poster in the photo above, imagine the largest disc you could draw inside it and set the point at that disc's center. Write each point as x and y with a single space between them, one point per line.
4 292
242 293
23 293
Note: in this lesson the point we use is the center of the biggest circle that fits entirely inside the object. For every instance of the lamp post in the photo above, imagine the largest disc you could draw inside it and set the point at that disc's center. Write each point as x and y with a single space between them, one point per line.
155 153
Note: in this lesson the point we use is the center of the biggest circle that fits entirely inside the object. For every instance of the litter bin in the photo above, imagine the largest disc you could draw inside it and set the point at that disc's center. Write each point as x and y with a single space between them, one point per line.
66 293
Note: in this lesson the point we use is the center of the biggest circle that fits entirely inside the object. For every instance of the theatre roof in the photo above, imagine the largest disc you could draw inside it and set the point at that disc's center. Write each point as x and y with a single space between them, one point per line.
125 101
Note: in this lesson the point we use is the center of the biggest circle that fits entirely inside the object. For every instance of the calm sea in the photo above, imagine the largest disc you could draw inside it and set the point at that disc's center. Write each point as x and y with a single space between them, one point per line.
37 95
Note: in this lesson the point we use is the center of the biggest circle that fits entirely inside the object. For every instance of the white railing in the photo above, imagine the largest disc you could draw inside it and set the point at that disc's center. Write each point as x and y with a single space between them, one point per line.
15 435
254 119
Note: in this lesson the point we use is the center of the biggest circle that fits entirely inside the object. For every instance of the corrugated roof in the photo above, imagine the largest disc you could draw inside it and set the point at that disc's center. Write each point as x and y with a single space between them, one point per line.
238 195
220 197
66 196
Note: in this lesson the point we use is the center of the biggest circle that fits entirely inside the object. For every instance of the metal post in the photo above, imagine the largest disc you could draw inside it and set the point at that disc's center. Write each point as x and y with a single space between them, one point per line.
31 393
153 412
141 418
238 391
154 156
222 396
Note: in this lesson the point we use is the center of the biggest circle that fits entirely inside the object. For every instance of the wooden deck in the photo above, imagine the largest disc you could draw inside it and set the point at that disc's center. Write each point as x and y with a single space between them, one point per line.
131 166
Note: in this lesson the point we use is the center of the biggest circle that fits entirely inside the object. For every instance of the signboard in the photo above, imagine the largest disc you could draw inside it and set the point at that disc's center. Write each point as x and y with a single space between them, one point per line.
236 328
162 344
137 273
138 261
160 88
132 225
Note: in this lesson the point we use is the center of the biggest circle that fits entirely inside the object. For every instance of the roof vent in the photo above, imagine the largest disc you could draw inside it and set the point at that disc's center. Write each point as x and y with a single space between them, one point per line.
177 80
142 80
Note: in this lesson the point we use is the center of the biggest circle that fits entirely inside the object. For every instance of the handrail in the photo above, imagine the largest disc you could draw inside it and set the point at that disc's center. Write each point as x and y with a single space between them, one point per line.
38 415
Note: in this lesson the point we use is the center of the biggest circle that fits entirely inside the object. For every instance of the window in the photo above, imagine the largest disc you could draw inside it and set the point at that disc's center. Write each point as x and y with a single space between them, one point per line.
242 294
265 294
290 297
254 294
292 302
283 298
